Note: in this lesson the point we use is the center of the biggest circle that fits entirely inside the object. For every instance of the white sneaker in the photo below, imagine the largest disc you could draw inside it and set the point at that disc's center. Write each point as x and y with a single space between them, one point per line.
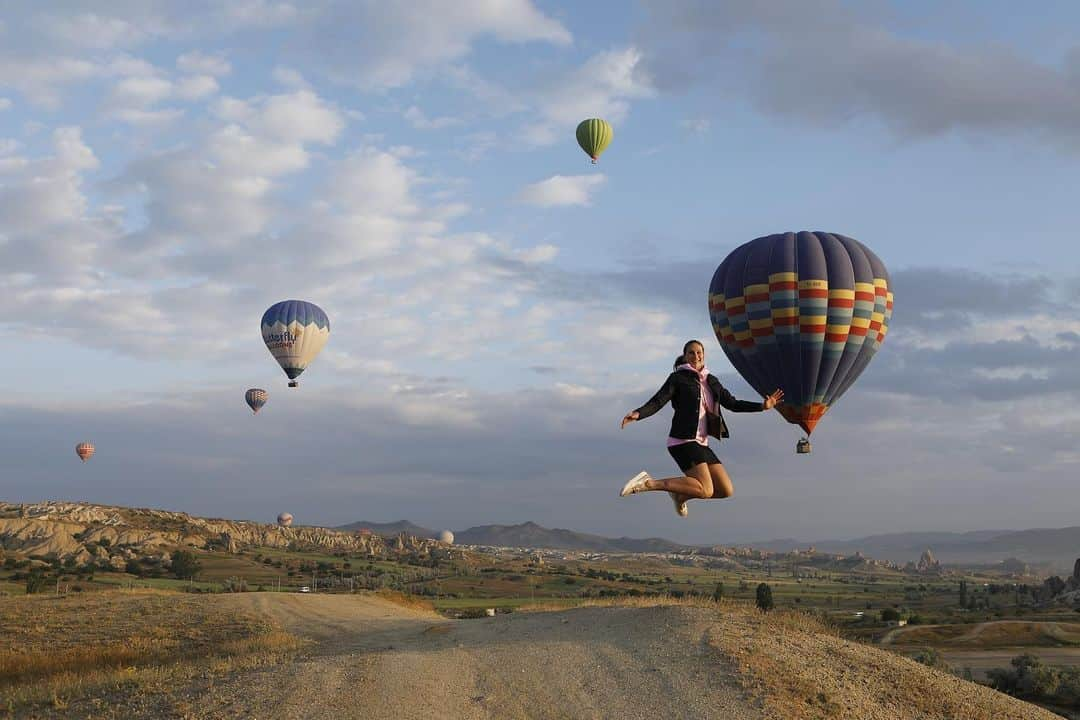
636 484
680 507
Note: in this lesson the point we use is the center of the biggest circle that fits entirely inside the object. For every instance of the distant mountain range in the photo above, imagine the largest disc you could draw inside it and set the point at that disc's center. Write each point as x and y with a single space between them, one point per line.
1054 546
531 535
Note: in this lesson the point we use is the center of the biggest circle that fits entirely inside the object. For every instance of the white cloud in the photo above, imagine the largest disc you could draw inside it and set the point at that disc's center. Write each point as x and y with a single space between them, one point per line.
40 79
5 103
49 230
384 45
298 117
140 91
420 121
290 77
196 87
91 31
561 190
602 87
199 63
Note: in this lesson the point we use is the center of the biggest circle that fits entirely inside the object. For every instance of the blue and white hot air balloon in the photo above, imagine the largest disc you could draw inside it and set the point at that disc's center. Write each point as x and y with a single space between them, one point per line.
294 332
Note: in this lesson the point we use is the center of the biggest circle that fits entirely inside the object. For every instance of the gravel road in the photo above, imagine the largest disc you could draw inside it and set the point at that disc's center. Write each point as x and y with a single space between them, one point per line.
375 659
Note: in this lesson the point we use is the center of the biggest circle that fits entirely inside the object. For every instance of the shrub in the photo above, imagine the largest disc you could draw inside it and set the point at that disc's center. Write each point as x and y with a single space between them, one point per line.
35 581
764 599
234 584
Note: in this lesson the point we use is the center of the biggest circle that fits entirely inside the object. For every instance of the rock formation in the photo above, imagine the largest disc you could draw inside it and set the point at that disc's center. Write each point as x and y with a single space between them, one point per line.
104 534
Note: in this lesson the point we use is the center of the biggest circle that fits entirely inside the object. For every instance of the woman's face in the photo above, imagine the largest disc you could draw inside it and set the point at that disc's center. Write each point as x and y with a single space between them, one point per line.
695 356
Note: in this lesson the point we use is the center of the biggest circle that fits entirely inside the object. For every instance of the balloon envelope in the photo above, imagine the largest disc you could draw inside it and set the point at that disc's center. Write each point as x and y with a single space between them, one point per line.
294 332
284 519
446 537
84 450
804 312
255 398
594 135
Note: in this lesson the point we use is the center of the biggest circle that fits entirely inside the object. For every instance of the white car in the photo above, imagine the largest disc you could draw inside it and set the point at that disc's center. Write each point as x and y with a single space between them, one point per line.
304 588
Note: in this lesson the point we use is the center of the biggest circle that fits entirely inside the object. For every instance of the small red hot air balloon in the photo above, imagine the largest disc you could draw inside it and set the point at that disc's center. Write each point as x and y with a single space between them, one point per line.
84 450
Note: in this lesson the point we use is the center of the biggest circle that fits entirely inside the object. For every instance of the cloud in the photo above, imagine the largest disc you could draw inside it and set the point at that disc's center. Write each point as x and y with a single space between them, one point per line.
602 86
199 63
823 62
385 45
5 103
420 121
561 190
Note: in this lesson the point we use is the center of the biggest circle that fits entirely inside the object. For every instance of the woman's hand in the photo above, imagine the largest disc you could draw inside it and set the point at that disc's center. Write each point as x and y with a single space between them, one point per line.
629 418
773 400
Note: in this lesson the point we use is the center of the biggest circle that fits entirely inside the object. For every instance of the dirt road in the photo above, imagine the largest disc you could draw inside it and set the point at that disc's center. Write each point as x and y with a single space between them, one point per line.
375 659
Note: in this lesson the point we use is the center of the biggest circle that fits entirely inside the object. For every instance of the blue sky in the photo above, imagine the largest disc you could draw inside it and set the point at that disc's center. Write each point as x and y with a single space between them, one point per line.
168 170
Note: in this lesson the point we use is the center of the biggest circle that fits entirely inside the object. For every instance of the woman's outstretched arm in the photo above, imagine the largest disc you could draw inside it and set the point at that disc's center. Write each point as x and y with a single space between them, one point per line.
728 401
657 401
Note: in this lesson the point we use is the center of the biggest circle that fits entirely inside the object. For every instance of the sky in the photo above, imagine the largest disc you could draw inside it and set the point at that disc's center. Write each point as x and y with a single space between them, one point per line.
169 169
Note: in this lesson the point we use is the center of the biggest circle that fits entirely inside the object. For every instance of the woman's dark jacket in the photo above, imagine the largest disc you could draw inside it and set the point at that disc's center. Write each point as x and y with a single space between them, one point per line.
683 390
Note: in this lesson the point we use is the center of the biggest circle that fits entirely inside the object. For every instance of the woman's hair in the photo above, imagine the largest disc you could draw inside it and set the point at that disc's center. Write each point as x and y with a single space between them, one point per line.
682 358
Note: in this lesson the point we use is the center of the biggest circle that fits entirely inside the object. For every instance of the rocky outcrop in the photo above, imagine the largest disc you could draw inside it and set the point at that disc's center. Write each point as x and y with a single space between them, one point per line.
101 533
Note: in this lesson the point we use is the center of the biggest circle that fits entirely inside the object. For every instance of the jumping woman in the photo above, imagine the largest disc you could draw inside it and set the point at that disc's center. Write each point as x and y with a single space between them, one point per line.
696 396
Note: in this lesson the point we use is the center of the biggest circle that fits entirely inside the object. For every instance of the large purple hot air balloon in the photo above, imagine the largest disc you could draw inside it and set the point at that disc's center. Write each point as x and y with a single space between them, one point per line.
804 312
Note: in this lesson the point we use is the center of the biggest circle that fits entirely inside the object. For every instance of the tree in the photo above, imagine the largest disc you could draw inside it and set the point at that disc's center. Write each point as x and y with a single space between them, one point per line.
764 597
889 614
35 581
718 593
185 564
963 594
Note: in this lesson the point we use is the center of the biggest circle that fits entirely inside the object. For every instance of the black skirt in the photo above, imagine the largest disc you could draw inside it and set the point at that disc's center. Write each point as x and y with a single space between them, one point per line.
689 454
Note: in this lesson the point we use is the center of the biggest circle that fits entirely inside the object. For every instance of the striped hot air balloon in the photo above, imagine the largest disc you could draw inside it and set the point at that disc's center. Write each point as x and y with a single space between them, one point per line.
255 398
594 135
804 312
84 450
294 332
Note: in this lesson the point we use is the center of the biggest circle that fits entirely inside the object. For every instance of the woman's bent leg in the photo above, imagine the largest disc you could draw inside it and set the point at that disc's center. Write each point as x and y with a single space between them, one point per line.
722 487
697 483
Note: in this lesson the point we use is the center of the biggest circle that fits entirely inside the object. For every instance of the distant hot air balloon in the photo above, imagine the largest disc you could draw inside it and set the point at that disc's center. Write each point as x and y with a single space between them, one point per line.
84 450
804 312
594 135
294 332
446 537
255 398
284 519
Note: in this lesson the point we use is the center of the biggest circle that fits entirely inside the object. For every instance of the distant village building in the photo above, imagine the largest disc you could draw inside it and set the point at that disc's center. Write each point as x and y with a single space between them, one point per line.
927 563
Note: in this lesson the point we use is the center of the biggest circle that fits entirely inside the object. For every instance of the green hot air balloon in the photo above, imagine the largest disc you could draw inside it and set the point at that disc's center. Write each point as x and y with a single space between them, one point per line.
594 135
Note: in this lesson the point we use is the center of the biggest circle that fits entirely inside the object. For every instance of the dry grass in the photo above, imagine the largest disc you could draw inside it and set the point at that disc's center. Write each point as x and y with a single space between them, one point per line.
627 601
412 602
53 650
800 668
